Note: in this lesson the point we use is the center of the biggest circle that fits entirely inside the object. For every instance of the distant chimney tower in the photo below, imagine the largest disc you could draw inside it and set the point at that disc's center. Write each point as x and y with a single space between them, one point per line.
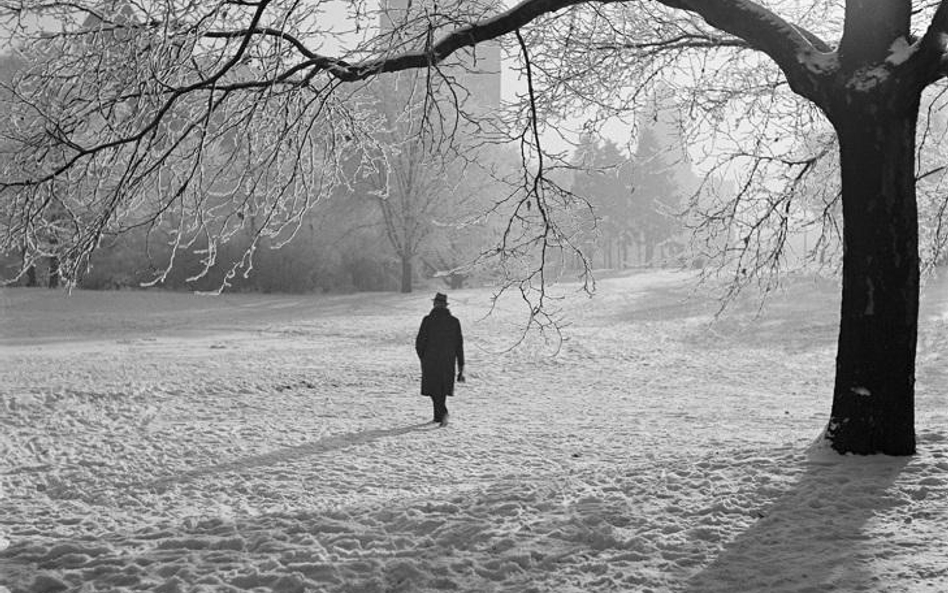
481 75
393 13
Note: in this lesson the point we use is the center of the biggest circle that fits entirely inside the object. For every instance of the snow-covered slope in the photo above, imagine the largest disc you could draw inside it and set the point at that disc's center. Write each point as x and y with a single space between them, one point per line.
162 442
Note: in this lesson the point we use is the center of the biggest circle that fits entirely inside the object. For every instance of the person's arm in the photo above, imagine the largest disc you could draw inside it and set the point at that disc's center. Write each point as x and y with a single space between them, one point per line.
459 353
421 340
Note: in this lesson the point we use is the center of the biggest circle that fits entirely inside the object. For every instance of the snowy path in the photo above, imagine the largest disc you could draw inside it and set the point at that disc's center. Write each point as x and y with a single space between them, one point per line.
176 443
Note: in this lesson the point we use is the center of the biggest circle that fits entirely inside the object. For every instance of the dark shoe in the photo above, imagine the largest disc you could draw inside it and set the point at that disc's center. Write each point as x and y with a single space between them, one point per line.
444 420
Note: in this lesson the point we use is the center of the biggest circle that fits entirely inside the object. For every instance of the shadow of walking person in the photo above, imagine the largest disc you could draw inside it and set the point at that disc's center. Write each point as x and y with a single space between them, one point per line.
814 536
287 455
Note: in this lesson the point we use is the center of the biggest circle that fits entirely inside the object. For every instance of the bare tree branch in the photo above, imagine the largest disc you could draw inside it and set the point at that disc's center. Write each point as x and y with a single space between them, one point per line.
933 51
788 45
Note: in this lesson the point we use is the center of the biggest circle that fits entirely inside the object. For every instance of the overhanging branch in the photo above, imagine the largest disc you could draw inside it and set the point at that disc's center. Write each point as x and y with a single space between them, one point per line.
690 41
787 44
468 36
265 32
933 51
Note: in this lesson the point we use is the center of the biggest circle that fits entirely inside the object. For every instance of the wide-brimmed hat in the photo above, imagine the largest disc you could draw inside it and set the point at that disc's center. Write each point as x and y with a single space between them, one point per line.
441 298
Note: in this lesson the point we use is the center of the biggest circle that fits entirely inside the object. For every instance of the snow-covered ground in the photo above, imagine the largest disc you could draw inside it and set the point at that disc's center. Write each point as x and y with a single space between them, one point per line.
168 442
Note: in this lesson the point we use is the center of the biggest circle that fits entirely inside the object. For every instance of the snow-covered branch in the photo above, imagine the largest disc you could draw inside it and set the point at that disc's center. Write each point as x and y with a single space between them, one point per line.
933 47
790 46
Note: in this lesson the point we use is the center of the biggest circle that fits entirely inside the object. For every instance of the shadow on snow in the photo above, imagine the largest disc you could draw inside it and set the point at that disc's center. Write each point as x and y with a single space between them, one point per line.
814 535
290 454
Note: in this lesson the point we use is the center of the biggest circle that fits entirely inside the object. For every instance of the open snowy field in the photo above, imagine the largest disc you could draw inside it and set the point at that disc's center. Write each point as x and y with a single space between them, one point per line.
169 442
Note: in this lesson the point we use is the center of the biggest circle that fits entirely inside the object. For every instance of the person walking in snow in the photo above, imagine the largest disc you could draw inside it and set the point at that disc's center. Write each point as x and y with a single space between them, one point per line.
439 345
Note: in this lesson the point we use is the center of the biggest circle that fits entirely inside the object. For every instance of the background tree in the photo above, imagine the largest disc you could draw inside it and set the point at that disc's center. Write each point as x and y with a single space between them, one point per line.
604 179
463 237
638 200
661 184
754 82
16 262
406 178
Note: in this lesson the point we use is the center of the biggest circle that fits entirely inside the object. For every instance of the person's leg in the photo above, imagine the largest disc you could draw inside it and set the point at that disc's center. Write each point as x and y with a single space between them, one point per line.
439 408
434 406
443 400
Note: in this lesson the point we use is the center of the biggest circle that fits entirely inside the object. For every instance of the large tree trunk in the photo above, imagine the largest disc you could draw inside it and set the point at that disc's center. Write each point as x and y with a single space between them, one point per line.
53 276
30 270
406 274
456 281
873 399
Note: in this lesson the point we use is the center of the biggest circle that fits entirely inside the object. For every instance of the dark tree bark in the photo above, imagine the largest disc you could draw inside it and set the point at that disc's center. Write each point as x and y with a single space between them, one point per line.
455 281
53 272
874 394
875 120
649 249
406 274
30 268
53 276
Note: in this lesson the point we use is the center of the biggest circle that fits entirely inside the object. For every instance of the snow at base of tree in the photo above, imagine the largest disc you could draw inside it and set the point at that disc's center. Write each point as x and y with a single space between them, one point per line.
169 442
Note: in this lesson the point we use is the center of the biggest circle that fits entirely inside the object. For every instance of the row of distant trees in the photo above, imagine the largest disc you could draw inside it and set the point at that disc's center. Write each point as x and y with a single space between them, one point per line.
423 196
409 210
379 237
406 209
638 199
359 240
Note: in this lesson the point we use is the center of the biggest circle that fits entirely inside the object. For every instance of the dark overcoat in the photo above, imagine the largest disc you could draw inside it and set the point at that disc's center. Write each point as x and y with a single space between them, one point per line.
439 344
